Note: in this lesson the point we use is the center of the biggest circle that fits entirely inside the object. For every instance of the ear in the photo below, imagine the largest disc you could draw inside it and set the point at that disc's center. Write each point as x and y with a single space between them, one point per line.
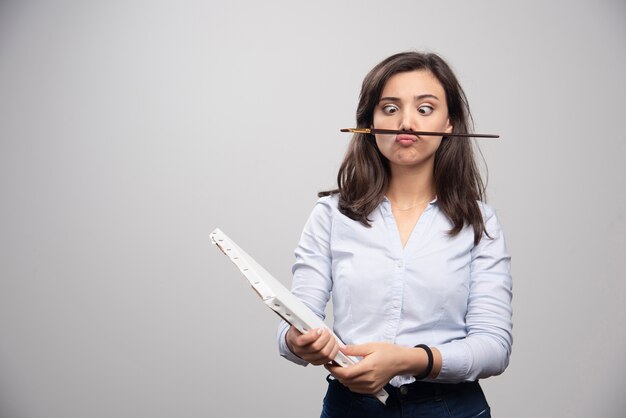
449 127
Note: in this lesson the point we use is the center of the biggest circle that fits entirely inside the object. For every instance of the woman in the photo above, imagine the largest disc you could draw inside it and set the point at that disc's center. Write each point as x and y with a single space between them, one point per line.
415 262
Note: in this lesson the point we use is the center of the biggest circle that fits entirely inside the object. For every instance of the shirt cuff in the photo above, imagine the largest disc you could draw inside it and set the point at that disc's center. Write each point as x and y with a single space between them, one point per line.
456 362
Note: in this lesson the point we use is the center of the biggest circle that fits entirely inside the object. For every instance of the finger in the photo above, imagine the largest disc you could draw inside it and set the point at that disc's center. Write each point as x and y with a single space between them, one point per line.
316 352
359 382
320 357
318 360
358 386
348 374
310 337
335 349
361 350
335 370
327 352
321 351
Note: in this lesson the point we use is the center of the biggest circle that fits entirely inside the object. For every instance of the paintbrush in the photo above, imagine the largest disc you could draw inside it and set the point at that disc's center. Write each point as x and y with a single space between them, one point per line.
416 133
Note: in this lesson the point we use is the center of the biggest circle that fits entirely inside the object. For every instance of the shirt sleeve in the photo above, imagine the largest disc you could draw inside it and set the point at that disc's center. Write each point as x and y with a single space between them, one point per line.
312 277
486 349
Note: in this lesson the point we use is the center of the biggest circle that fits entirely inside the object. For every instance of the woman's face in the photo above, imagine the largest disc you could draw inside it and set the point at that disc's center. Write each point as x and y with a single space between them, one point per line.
413 100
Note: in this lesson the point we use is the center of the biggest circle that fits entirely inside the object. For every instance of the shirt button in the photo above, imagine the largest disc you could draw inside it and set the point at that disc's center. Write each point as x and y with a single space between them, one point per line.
399 264
404 390
396 304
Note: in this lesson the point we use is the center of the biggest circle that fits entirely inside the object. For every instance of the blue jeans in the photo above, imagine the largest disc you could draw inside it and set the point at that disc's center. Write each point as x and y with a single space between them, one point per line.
419 399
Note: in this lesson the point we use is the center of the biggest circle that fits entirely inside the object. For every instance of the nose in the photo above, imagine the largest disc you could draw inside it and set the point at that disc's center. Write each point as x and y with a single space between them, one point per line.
408 121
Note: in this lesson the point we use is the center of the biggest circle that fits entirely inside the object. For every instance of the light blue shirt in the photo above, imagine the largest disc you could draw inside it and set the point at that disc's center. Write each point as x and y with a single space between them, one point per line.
438 290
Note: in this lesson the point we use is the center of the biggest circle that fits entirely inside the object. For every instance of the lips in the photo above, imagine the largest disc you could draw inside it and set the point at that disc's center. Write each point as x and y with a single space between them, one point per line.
405 139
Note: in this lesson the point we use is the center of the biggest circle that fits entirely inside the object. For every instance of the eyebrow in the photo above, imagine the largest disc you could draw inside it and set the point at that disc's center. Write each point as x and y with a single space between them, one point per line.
416 98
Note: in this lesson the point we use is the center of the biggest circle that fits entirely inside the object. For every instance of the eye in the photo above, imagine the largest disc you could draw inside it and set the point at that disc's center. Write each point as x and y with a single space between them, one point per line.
425 109
390 109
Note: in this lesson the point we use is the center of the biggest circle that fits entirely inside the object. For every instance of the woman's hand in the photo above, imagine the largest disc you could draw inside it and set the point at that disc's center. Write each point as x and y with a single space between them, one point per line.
380 363
318 346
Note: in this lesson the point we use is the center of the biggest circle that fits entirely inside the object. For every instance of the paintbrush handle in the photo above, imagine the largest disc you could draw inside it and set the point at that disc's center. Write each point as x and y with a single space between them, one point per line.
416 133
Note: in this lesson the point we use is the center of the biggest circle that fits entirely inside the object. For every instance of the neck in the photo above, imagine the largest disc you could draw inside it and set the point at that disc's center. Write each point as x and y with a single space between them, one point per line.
410 185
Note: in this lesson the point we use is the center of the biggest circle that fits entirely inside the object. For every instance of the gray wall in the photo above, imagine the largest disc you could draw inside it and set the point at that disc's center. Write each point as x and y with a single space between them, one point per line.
131 129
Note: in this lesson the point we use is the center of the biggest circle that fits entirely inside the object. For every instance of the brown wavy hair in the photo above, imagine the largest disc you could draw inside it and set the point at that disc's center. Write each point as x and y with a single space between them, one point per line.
364 174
